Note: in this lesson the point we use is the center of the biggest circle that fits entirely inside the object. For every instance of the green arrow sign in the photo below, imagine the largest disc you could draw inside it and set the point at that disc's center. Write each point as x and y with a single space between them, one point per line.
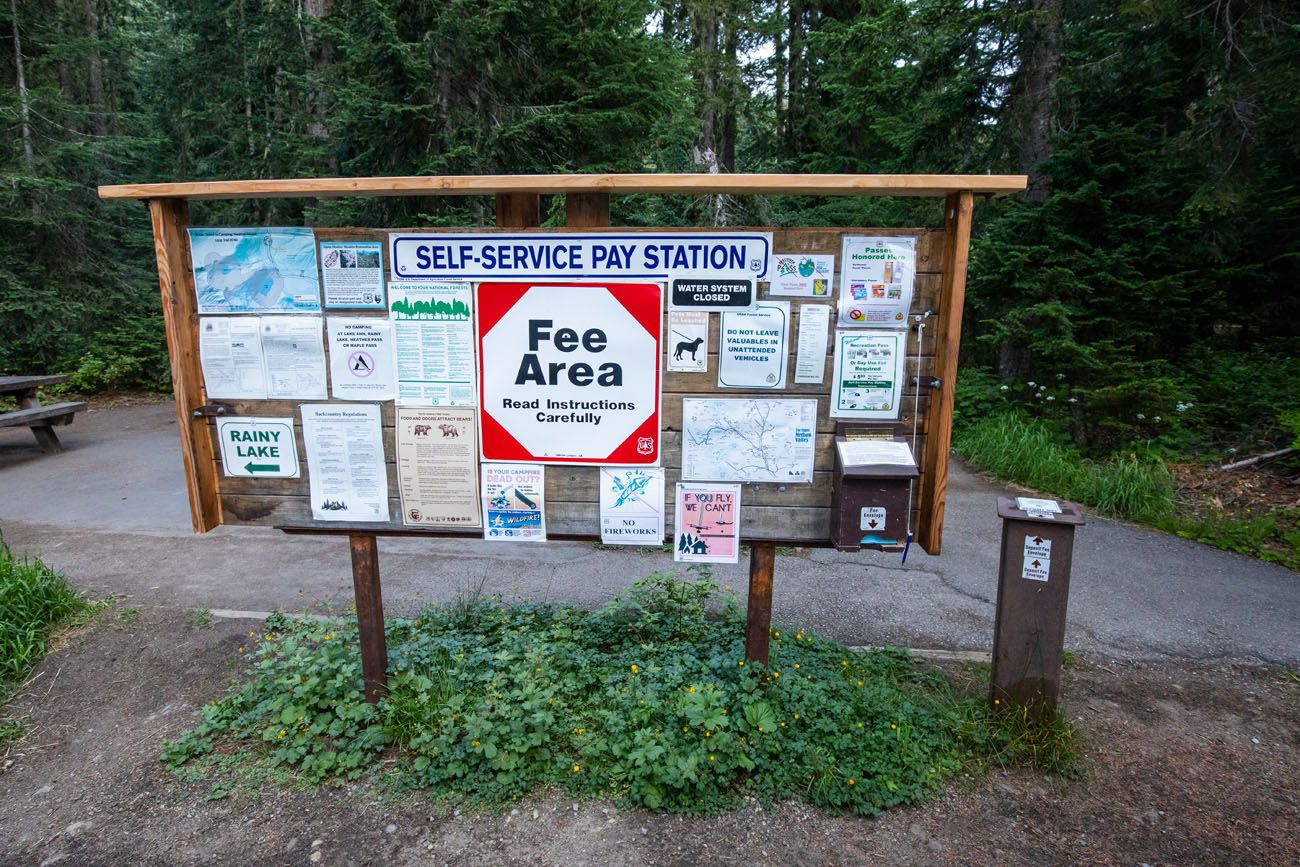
253 447
262 468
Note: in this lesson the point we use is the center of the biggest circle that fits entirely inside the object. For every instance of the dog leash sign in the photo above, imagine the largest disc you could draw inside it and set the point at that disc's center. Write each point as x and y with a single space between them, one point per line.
688 341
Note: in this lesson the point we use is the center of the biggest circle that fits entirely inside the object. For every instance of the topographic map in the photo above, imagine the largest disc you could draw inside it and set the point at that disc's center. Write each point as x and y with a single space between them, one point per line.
748 439
255 270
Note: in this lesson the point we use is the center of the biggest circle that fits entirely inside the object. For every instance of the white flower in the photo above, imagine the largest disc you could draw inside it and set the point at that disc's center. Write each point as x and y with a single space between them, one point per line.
1141 416
1060 376
1074 400
1031 384
1156 419
1005 387
1051 397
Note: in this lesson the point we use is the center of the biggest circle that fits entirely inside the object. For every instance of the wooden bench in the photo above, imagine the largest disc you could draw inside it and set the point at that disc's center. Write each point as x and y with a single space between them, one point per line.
31 413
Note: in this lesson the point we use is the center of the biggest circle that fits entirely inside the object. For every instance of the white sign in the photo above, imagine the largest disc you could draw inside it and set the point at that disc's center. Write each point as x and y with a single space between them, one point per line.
752 347
873 518
294 350
877 276
437 466
632 505
805 274
569 256
345 462
814 333
569 374
868 377
1029 504
352 274
514 505
361 358
262 448
230 351
1038 558
688 341
433 341
736 439
860 453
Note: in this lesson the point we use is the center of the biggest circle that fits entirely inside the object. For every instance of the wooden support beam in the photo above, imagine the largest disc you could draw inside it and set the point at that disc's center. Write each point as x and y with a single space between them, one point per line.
586 210
758 608
171 219
370 614
957 211
519 210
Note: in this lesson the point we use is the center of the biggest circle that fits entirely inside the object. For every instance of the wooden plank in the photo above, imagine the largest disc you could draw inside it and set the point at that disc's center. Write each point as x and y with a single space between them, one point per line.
666 184
934 485
170 219
518 211
758 607
370 614
586 210
17 384
33 414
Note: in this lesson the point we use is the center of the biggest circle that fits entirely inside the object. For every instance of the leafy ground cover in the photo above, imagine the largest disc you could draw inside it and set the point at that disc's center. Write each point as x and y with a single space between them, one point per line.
34 599
648 702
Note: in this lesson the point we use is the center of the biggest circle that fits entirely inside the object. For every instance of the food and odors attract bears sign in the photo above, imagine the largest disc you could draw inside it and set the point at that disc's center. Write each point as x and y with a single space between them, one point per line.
569 374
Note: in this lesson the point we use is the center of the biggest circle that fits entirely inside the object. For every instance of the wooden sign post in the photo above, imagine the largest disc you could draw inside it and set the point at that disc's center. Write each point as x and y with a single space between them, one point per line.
771 514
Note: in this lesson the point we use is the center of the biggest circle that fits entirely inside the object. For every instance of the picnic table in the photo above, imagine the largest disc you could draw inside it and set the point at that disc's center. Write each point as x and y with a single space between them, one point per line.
41 418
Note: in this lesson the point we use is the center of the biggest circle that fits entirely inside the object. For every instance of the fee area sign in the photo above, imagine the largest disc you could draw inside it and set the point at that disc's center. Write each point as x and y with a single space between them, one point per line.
569 374
260 447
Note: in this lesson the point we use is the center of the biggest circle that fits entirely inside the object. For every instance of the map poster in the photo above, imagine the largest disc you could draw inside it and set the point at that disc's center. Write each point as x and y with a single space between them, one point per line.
255 270
437 466
868 377
632 505
688 340
230 352
707 524
877 276
294 351
810 352
736 439
804 274
345 462
352 275
361 358
514 506
752 346
433 339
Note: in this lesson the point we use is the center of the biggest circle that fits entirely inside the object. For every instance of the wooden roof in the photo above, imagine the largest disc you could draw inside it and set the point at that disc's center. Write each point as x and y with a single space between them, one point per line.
685 184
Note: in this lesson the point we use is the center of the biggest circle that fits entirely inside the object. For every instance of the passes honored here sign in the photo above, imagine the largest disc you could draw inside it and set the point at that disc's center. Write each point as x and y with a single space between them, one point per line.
569 374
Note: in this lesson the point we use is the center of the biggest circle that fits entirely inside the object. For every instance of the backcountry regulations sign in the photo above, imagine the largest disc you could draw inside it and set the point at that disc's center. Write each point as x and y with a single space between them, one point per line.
569 374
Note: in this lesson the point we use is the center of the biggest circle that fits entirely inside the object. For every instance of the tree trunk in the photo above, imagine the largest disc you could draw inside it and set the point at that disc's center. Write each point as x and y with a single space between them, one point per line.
794 89
99 109
1040 61
729 93
24 107
778 70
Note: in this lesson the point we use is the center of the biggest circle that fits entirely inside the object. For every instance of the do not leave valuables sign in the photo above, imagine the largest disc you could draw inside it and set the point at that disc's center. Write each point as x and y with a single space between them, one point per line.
569 374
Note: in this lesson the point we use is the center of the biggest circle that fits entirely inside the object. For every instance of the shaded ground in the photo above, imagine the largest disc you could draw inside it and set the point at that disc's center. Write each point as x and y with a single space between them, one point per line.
1185 765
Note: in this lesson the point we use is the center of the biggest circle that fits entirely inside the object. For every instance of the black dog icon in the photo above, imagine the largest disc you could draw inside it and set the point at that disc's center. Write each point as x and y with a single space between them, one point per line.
687 346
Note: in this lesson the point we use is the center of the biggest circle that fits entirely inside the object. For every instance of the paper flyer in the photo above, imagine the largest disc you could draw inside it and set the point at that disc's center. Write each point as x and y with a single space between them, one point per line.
437 466
738 439
294 350
868 376
433 334
877 276
361 358
514 506
707 523
345 462
632 505
352 274
752 346
814 335
688 341
805 274
230 353
255 270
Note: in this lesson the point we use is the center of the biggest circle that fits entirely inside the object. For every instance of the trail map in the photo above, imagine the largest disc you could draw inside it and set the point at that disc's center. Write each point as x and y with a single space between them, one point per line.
255 270
748 439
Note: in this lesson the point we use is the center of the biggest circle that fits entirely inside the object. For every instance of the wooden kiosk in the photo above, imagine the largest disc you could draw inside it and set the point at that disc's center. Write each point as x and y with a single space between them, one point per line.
772 514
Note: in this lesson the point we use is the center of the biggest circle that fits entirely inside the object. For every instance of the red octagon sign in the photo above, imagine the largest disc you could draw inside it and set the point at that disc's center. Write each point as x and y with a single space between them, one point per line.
569 374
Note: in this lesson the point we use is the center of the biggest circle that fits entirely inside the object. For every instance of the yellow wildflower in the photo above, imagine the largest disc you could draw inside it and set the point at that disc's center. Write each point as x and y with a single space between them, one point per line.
893 725
710 758
634 668
473 743
796 665
850 781
776 674
577 768
692 689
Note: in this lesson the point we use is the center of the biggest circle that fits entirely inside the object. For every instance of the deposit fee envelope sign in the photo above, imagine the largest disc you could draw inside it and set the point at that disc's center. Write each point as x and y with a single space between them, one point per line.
568 256
569 374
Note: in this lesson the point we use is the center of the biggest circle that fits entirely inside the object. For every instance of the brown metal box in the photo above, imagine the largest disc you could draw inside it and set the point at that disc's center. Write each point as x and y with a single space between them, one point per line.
869 503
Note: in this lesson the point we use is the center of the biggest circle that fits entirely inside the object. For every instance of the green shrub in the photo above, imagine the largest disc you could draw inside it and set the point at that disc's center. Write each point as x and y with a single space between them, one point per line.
33 600
648 701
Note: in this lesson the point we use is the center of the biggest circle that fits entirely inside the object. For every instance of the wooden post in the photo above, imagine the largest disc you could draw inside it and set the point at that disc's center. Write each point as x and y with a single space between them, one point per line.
171 218
934 480
586 210
519 210
370 614
758 609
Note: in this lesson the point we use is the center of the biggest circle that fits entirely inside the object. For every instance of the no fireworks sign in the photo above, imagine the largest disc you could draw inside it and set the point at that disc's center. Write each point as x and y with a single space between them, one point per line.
569 374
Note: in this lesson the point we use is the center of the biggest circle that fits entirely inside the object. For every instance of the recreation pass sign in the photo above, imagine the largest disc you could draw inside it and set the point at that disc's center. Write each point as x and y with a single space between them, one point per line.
575 255
569 374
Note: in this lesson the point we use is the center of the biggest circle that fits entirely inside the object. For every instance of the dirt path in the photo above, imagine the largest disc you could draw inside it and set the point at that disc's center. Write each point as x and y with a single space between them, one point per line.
1184 766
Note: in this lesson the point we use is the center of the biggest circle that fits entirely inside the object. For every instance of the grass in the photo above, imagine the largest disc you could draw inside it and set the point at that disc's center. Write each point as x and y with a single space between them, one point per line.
648 702
1130 486
201 617
34 599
